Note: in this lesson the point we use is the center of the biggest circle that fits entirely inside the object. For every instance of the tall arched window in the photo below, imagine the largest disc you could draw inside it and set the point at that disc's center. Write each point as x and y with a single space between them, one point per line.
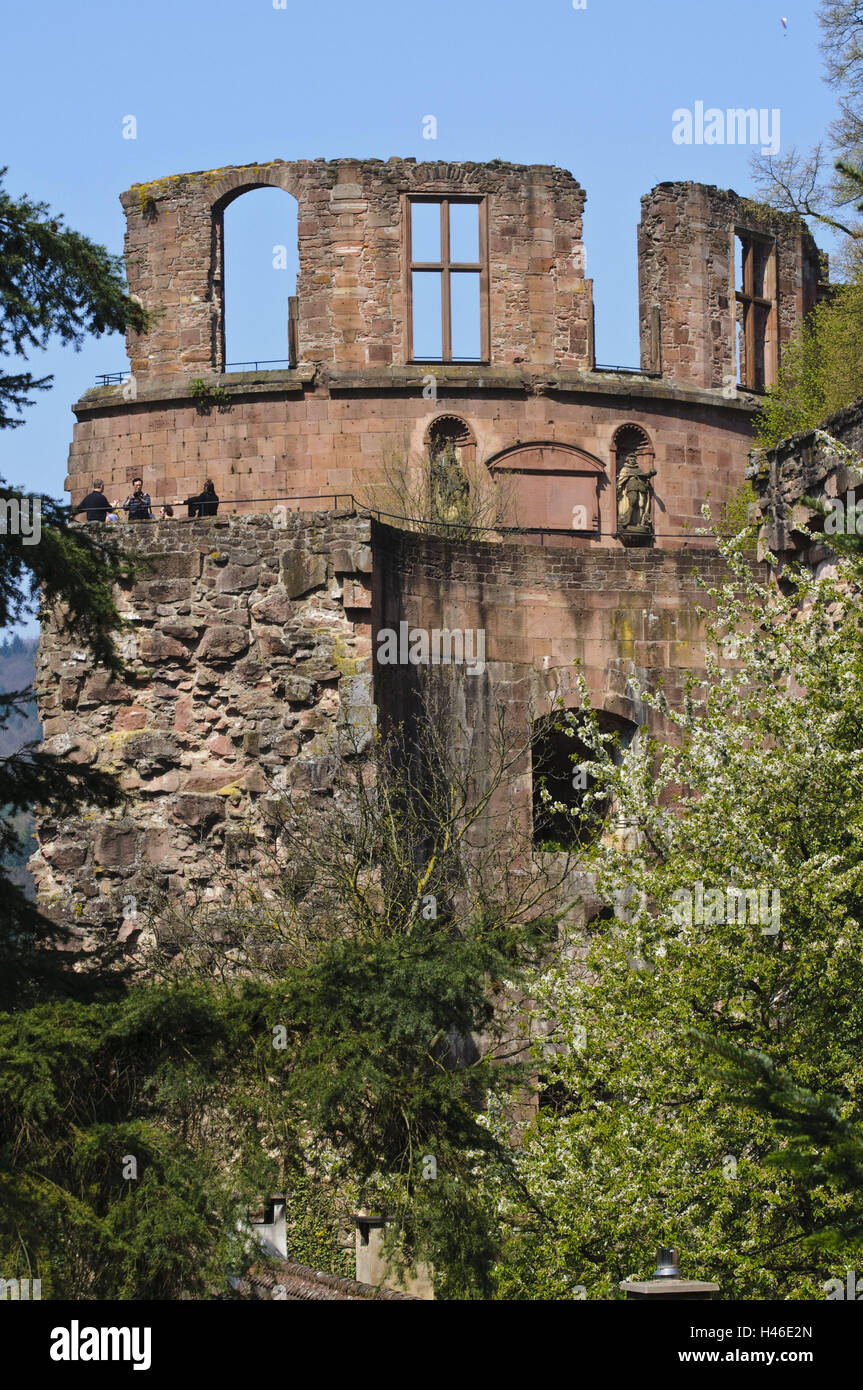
261 264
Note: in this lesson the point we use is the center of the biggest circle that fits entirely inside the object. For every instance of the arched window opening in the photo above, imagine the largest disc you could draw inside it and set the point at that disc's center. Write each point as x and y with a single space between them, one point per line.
560 762
261 264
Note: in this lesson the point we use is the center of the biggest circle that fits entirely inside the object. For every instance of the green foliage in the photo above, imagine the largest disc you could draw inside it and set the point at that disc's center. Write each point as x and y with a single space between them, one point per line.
206 396
635 1145
821 369
822 1146
379 1074
53 282
313 1218
392 931
86 1086
733 515
92 1075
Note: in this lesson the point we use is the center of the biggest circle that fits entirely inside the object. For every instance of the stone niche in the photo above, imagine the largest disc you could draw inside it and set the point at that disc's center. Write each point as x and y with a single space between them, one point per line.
248 646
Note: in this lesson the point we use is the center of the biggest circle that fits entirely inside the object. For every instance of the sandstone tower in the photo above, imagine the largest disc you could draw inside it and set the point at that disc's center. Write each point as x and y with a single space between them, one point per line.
253 634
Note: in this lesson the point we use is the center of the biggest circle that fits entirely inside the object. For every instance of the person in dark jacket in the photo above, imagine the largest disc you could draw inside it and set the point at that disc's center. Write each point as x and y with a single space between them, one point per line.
204 503
95 504
137 504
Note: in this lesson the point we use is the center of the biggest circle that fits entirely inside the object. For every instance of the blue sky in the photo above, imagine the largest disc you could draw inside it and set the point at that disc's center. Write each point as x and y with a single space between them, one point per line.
215 82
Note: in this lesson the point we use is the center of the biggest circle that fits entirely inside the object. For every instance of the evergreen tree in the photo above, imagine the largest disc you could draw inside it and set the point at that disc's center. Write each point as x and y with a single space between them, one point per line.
54 283
821 1146
391 923
107 1189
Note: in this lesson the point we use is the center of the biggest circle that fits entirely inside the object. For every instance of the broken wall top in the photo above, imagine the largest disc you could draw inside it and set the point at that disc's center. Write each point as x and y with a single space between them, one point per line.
352 301
351 286
686 272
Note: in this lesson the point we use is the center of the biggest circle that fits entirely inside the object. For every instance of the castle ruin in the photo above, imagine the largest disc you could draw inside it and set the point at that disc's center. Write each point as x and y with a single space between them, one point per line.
253 635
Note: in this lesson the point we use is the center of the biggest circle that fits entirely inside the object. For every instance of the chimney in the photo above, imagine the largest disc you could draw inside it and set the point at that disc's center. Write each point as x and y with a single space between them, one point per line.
373 1268
269 1226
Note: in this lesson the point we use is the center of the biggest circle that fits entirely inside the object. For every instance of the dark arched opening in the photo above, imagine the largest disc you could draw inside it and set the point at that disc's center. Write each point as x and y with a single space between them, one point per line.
559 767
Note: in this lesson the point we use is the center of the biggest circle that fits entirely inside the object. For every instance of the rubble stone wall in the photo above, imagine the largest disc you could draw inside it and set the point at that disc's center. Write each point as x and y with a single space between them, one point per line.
249 651
254 651
825 465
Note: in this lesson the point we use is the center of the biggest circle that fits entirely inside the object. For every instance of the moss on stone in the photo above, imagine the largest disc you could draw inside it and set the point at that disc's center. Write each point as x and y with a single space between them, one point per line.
346 665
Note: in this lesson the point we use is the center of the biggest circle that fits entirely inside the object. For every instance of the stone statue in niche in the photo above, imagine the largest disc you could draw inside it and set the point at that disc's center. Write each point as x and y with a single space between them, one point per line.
633 495
449 486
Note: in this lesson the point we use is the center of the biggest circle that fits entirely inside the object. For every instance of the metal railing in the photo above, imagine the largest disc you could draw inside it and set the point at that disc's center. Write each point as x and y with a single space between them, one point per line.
467 530
115 378
256 366
622 371
339 501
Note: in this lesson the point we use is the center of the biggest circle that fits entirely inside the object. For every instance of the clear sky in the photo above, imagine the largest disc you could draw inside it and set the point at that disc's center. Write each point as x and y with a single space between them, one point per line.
216 82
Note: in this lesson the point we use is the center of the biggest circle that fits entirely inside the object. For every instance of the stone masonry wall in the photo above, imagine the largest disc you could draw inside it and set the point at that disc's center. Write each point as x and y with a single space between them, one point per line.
823 464
252 647
624 615
326 427
351 286
249 649
621 614
686 269
279 440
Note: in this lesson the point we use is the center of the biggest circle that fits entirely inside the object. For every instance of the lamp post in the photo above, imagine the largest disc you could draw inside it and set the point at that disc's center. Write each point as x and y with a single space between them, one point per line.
667 1283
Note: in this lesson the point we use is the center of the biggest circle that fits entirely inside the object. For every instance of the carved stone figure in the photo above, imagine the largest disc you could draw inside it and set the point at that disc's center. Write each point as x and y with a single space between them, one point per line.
449 485
633 495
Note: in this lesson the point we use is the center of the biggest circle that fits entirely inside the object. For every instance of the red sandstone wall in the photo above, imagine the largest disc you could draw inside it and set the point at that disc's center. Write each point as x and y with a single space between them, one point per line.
248 658
326 427
686 268
253 647
287 442
620 614
351 279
